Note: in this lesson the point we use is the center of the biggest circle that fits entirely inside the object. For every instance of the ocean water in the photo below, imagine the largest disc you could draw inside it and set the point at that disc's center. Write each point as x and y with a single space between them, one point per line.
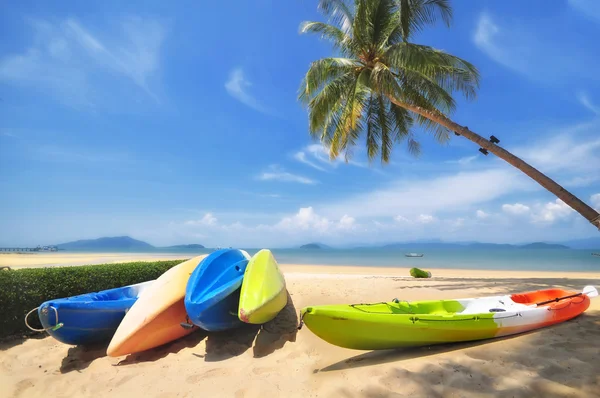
567 260
517 259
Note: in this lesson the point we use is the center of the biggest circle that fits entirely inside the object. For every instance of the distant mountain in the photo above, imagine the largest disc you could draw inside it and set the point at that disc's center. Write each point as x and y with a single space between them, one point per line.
422 245
112 243
193 246
477 245
589 243
312 246
542 245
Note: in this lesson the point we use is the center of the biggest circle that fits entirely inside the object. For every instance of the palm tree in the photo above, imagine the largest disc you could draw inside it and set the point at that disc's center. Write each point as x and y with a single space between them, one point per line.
382 85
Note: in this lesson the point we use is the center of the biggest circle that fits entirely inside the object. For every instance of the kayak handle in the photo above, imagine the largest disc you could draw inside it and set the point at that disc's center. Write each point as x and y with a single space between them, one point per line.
55 327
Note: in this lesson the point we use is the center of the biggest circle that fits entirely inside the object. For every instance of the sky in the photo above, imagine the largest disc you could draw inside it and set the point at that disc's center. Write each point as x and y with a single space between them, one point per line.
180 124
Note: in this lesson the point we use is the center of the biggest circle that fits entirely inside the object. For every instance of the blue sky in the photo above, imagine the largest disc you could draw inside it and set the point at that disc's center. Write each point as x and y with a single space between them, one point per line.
180 124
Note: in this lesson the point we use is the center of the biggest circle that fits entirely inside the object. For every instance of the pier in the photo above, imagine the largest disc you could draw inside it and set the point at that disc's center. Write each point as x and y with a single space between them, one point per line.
28 249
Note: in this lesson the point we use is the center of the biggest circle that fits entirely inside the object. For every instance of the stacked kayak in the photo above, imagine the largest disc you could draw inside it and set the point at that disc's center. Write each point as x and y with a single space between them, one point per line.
216 293
404 324
213 291
91 317
263 293
156 317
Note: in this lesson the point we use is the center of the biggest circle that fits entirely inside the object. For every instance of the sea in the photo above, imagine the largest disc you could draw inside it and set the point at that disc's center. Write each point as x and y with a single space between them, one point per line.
567 260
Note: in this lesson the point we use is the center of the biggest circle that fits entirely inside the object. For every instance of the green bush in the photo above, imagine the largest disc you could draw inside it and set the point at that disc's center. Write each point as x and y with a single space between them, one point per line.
419 273
24 289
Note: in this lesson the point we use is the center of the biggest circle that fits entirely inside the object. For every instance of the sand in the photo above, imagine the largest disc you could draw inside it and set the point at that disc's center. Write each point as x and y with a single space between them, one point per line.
279 361
44 259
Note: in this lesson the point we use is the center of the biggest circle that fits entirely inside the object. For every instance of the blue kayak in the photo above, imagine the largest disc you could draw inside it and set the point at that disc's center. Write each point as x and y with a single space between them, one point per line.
90 317
212 294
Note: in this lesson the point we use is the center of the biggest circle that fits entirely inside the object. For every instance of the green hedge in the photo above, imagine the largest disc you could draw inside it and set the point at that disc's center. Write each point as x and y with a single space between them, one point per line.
24 289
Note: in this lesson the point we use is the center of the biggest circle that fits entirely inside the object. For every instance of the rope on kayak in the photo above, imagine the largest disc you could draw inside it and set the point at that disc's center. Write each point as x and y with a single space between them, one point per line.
55 327
301 320
408 311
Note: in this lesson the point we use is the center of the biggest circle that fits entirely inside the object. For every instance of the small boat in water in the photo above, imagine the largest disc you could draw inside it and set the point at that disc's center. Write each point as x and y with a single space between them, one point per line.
414 255
596 254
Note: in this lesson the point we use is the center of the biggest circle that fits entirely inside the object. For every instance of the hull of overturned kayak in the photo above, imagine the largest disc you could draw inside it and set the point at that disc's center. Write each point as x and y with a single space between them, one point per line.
91 317
402 324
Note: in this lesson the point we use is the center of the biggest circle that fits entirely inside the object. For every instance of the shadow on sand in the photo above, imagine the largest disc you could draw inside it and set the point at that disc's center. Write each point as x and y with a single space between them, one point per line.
266 338
12 341
276 333
556 361
548 364
154 354
80 357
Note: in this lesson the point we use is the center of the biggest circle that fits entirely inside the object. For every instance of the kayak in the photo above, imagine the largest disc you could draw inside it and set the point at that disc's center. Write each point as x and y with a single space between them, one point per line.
91 317
213 291
155 319
263 292
397 324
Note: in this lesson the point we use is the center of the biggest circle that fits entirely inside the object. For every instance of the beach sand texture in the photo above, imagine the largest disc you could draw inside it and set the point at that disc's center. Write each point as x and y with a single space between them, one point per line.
559 361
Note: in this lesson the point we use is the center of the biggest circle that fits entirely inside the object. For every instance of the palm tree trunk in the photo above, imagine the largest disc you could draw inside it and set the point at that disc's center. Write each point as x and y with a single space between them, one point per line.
577 204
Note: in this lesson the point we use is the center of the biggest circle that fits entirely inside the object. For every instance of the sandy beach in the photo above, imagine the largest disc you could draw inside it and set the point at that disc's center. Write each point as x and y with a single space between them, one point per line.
278 360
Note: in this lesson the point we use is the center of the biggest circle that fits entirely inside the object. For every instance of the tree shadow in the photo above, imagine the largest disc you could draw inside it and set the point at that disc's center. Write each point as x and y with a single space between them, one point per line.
502 285
80 357
12 341
380 357
230 343
173 347
557 361
274 334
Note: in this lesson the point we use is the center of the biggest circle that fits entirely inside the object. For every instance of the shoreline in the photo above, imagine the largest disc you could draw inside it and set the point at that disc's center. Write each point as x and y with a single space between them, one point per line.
37 260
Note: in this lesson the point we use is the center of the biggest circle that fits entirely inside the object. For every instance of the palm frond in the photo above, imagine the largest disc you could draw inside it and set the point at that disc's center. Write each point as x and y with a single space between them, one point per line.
385 20
386 124
373 139
348 123
322 108
339 13
321 72
339 39
417 14
452 73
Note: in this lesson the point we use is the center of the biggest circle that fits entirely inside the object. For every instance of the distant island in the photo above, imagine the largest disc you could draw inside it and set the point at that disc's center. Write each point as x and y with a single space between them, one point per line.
541 245
187 247
312 246
120 243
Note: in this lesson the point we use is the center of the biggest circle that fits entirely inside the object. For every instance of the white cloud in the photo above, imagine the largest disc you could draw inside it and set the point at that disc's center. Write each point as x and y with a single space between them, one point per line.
590 8
481 214
237 86
308 220
208 220
541 53
276 173
301 157
448 193
402 219
426 219
515 209
317 156
553 211
75 64
574 150
347 222
464 161
587 102
595 200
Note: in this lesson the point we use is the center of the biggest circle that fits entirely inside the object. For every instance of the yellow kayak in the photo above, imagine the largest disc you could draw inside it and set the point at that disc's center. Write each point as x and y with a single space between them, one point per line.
263 292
